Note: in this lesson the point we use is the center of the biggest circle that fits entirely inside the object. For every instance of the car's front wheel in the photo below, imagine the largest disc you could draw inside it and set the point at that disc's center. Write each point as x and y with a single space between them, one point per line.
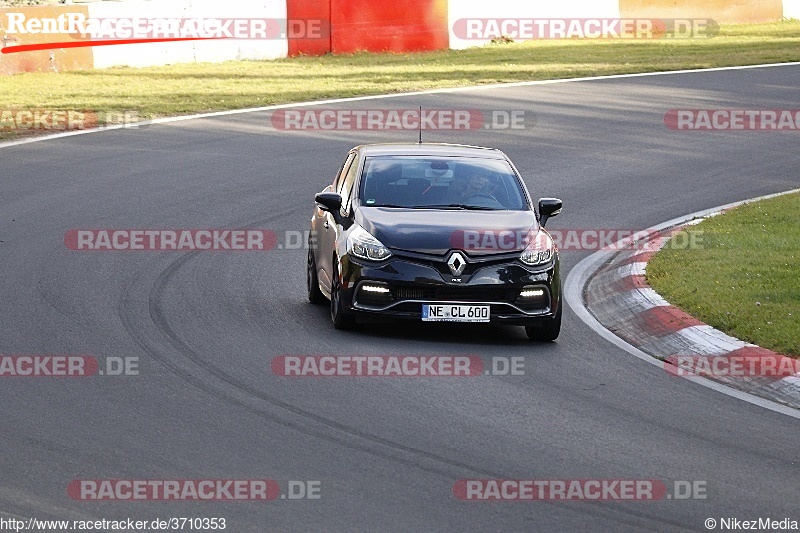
547 330
340 319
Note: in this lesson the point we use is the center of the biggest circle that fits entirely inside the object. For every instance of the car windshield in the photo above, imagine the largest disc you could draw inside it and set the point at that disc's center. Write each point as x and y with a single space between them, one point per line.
441 183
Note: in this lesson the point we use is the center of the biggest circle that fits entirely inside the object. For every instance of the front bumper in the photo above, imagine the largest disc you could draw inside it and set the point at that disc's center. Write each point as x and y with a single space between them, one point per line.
398 287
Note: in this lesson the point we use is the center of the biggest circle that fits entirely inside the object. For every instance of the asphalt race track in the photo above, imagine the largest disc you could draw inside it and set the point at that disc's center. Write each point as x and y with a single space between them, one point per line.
387 451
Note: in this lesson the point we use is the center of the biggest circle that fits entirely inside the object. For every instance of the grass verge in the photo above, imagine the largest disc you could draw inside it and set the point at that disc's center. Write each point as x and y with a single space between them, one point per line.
203 87
745 277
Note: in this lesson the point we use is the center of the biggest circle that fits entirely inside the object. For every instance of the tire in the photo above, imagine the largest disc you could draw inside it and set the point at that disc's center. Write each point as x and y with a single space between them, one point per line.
339 318
546 331
315 295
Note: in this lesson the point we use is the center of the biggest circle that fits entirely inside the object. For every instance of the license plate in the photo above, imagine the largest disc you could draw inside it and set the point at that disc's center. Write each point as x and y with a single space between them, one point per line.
455 313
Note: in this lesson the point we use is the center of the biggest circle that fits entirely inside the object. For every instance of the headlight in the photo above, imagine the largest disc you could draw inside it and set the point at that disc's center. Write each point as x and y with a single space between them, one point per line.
361 244
540 250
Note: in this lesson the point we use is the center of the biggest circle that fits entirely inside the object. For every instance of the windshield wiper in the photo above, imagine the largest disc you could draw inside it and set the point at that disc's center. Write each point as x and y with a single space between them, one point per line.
456 206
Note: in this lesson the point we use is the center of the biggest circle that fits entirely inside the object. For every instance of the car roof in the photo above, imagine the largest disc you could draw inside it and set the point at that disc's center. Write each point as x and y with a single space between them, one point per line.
430 149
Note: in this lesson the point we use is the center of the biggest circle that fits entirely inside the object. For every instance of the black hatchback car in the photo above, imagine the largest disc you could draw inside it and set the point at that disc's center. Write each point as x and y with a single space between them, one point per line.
434 232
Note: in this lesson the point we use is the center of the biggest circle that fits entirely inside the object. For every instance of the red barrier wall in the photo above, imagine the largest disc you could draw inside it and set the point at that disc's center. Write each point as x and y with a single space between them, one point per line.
395 26
310 10
373 25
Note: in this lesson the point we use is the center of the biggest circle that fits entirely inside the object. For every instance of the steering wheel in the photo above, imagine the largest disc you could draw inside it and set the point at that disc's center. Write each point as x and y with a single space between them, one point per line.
484 195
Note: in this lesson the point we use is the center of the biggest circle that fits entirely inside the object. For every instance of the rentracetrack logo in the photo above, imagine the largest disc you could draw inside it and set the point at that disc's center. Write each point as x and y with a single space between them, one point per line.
79 26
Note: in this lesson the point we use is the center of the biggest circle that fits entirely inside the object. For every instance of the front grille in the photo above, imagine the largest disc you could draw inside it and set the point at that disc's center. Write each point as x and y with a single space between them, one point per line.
411 293
475 294
463 294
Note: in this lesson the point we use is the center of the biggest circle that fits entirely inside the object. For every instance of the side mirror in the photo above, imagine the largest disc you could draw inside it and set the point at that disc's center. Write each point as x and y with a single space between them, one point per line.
548 207
330 202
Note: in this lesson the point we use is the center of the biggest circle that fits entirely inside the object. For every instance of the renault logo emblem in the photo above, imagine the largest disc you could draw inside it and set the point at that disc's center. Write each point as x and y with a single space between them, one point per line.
456 263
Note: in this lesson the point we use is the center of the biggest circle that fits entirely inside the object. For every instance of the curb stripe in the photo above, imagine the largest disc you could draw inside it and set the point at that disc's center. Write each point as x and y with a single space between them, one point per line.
637 323
666 319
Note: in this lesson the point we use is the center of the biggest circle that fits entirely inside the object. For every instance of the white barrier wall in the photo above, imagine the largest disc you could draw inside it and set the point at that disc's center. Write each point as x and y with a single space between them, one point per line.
154 54
791 9
521 9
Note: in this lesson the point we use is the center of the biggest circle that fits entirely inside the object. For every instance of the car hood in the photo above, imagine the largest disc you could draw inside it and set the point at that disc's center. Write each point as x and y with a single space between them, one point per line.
437 231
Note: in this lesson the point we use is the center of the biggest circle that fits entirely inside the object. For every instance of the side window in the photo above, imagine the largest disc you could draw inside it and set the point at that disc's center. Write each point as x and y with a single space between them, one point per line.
347 185
337 183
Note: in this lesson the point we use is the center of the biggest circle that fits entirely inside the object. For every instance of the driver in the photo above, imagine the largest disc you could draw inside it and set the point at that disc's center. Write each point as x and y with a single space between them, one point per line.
477 182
